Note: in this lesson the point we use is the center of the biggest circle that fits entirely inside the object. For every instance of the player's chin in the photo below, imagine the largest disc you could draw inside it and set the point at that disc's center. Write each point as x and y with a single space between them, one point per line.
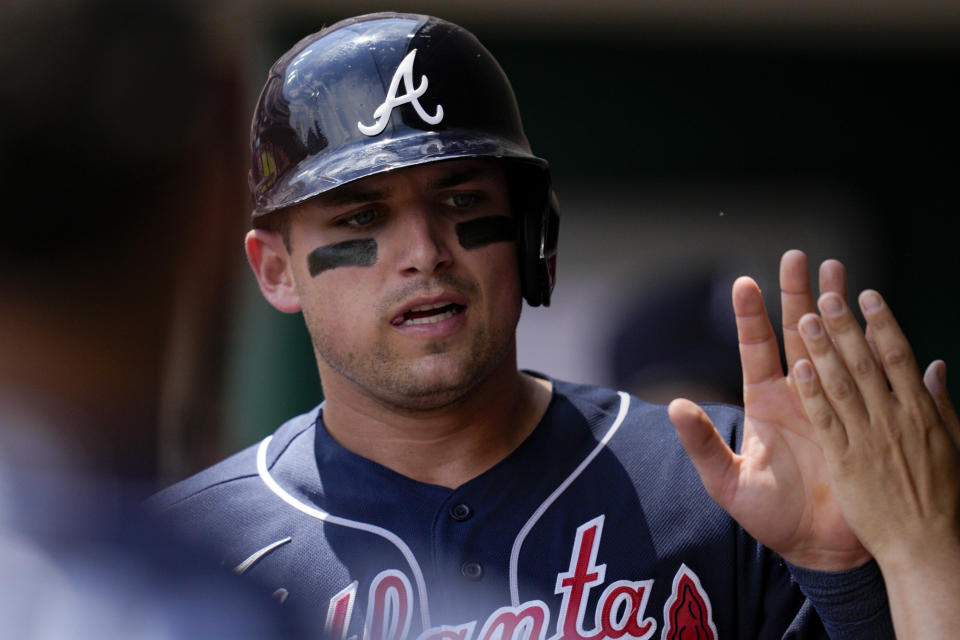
436 382
427 398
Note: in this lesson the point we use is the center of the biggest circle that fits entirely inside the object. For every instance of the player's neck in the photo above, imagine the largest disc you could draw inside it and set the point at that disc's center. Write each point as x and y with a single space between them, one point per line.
448 445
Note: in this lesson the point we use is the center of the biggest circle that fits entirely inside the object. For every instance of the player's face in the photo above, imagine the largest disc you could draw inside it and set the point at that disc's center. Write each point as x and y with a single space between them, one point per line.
409 283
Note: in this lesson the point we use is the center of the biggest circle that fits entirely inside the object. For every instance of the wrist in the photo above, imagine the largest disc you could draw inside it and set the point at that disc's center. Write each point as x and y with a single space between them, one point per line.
932 550
827 560
937 554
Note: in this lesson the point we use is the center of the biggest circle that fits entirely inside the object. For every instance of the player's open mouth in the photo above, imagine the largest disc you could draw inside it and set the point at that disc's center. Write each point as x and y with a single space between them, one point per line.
427 314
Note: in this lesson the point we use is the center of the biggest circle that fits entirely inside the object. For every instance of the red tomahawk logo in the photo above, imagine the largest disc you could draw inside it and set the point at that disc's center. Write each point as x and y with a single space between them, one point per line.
687 614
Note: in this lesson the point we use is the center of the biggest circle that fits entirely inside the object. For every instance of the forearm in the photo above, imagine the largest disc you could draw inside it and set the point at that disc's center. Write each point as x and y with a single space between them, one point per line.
924 589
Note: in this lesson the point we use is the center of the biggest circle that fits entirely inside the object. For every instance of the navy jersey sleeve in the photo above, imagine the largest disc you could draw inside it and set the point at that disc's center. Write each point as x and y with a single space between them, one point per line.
852 604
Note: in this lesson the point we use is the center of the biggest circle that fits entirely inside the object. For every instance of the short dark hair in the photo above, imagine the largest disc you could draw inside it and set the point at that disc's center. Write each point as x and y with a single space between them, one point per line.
277 222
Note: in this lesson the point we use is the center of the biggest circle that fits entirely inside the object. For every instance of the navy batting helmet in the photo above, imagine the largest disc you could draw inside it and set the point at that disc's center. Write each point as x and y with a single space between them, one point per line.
385 91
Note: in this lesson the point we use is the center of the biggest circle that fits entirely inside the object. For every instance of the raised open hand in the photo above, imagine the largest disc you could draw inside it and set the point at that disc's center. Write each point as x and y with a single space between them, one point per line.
778 487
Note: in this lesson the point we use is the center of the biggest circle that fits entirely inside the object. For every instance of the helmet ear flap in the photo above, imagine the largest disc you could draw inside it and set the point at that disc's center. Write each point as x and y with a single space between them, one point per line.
551 235
538 233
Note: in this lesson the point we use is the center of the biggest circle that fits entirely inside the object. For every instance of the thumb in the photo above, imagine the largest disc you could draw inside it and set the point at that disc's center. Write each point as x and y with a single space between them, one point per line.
713 459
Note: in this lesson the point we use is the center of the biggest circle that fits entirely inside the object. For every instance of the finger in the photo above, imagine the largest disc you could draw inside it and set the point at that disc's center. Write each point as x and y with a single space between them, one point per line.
828 429
868 334
833 277
855 352
896 356
796 300
713 459
838 385
759 350
935 380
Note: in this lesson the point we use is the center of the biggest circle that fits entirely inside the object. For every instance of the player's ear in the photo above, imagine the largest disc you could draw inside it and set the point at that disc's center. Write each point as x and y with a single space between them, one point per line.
270 261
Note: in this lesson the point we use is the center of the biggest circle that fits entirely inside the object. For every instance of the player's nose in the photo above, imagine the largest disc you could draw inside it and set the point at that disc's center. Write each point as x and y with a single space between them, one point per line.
424 246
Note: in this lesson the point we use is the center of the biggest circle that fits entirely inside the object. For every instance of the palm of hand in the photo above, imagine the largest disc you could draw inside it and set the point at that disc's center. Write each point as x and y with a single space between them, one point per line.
783 495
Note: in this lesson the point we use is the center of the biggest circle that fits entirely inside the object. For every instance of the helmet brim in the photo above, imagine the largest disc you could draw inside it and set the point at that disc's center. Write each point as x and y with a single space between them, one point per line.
322 172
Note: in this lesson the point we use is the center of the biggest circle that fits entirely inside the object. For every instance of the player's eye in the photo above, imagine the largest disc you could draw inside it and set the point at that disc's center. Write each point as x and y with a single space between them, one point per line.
463 200
360 219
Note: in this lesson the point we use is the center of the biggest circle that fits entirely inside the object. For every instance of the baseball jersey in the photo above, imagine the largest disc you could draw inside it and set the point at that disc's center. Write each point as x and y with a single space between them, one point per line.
596 527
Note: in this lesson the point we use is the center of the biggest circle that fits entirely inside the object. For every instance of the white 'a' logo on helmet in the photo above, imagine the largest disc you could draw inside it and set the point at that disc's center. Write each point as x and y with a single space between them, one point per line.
382 114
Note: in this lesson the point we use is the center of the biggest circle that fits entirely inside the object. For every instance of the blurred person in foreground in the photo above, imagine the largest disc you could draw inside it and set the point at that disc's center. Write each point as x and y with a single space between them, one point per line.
441 493
87 162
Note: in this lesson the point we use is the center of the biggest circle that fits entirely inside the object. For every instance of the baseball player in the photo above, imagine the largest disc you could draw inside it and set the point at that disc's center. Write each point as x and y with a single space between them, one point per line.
439 493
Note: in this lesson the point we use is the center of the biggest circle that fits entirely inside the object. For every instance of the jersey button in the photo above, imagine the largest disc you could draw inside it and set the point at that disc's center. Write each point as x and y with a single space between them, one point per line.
461 512
471 570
